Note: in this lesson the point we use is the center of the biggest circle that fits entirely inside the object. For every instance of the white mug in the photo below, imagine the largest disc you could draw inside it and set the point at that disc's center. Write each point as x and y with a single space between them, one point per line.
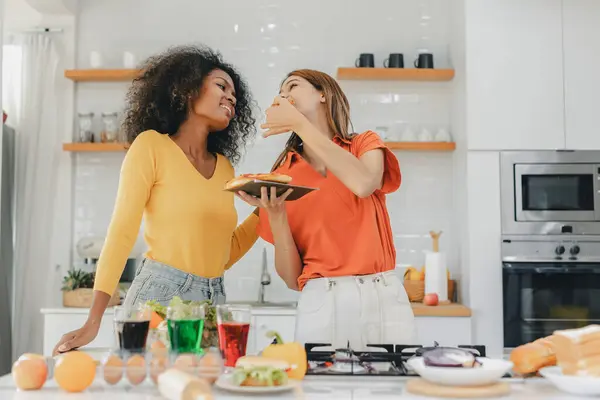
409 135
128 59
425 135
95 59
443 135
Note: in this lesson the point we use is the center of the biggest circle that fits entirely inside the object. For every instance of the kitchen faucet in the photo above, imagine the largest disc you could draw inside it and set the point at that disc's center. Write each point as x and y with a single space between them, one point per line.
265 277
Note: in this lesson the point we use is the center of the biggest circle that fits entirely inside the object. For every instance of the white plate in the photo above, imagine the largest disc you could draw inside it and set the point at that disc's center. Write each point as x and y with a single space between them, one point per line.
490 371
224 382
583 385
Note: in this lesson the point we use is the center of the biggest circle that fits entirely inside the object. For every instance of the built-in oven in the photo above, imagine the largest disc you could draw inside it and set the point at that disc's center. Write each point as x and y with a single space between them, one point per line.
549 286
550 205
550 192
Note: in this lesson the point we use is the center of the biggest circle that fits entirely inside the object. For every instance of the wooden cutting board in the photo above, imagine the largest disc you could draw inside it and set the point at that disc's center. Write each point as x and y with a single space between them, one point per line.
425 388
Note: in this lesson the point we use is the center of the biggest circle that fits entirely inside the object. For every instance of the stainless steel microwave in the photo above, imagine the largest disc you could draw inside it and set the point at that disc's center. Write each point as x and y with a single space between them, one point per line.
550 192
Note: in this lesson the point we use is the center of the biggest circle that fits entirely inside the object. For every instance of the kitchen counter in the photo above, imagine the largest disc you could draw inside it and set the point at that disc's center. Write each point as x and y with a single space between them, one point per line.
312 388
419 309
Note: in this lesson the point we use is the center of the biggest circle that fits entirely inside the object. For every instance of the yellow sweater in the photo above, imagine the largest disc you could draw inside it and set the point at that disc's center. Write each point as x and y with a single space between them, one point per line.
190 221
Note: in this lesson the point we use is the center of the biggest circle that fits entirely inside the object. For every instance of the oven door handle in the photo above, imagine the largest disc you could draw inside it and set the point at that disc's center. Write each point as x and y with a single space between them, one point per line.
549 269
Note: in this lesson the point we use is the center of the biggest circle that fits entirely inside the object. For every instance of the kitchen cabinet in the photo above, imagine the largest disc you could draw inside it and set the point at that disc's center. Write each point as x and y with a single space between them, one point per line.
581 24
514 74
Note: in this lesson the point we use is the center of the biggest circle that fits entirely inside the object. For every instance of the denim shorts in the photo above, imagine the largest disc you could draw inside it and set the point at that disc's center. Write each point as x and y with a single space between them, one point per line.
160 282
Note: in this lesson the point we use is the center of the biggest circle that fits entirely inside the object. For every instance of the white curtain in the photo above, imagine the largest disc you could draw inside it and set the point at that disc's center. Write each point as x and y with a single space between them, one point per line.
38 145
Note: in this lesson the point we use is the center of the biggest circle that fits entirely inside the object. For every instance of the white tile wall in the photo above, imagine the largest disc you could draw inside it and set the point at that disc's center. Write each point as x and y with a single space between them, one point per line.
267 39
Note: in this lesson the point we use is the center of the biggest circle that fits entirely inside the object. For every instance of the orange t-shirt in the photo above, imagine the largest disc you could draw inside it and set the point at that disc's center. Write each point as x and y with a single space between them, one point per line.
336 232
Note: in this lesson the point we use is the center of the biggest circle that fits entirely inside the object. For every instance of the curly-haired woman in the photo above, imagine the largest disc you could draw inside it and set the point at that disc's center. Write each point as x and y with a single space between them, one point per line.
188 117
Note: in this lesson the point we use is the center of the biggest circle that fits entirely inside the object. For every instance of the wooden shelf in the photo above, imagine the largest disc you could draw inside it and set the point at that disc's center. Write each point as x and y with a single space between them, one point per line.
422 146
397 74
101 75
94 147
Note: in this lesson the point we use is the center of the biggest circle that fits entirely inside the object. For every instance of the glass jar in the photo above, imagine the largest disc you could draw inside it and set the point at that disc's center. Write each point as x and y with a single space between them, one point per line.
86 135
110 128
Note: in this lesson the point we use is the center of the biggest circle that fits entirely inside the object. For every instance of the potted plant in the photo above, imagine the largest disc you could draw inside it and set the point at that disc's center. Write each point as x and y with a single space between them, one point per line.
78 290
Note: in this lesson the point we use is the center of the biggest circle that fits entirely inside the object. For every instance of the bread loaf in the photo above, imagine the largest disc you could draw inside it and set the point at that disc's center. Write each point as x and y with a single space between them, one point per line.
578 350
531 357
241 180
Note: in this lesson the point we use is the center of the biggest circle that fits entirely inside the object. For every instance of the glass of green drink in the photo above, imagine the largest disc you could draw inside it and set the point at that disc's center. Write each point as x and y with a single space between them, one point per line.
185 323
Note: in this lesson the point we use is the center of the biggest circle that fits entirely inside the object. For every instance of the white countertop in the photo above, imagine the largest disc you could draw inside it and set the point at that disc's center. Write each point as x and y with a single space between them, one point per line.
312 388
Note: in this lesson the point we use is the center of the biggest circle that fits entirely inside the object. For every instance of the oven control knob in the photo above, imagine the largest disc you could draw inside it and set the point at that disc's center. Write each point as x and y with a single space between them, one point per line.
560 250
574 250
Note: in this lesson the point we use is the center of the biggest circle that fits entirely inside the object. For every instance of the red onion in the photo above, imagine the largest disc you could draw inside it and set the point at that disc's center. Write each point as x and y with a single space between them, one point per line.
450 357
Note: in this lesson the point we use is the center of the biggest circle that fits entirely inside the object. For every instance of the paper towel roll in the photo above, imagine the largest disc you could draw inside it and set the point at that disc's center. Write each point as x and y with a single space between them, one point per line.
436 280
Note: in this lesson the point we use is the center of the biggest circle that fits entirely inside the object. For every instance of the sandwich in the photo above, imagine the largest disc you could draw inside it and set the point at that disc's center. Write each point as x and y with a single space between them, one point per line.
260 371
241 180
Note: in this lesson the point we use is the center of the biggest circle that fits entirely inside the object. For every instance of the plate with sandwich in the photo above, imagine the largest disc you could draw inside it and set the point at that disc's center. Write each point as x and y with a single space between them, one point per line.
252 183
258 375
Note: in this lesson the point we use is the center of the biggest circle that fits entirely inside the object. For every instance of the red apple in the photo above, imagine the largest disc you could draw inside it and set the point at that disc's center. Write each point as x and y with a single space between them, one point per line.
431 299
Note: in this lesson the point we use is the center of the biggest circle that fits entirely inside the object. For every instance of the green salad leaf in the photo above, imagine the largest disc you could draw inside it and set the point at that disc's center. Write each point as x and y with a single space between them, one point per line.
157 308
268 375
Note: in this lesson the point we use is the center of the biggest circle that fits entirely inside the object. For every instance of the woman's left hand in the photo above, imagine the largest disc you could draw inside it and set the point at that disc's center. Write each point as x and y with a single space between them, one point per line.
282 117
271 203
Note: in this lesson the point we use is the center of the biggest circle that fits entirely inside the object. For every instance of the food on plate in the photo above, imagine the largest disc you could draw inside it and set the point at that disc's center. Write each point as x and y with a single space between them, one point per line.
431 299
578 350
74 371
113 369
260 371
30 371
241 180
136 369
531 357
450 357
292 352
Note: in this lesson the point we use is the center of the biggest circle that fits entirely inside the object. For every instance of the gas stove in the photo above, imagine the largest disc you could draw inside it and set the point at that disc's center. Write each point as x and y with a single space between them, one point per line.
384 360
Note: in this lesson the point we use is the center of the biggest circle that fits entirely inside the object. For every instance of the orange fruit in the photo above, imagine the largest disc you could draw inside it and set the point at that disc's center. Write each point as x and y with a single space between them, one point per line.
74 371
29 373
155 320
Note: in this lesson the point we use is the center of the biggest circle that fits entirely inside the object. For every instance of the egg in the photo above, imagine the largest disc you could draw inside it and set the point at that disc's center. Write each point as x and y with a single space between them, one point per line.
74 371
186 362
157 366
136 369
30 373
210 367
113 369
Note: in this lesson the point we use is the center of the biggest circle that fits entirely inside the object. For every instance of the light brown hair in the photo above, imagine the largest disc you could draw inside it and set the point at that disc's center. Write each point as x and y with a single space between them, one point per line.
338 109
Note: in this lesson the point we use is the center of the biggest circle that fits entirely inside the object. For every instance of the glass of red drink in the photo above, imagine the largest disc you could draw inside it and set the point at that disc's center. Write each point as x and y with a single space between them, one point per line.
233 325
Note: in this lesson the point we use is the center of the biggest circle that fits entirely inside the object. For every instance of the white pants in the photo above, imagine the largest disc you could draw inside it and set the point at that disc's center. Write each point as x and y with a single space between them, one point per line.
362 310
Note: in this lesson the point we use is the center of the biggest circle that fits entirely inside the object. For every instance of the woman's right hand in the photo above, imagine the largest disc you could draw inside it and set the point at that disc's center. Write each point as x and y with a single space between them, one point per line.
77 338
275 206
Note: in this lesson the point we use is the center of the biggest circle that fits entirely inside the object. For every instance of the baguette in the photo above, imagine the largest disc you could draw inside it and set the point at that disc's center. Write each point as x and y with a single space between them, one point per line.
241 180
531 357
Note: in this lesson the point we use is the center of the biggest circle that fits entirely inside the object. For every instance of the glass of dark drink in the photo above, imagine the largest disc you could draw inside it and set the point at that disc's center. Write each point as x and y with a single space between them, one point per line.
131 327
233 325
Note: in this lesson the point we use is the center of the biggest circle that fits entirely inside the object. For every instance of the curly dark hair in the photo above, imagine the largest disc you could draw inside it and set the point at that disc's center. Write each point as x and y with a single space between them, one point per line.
159 99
